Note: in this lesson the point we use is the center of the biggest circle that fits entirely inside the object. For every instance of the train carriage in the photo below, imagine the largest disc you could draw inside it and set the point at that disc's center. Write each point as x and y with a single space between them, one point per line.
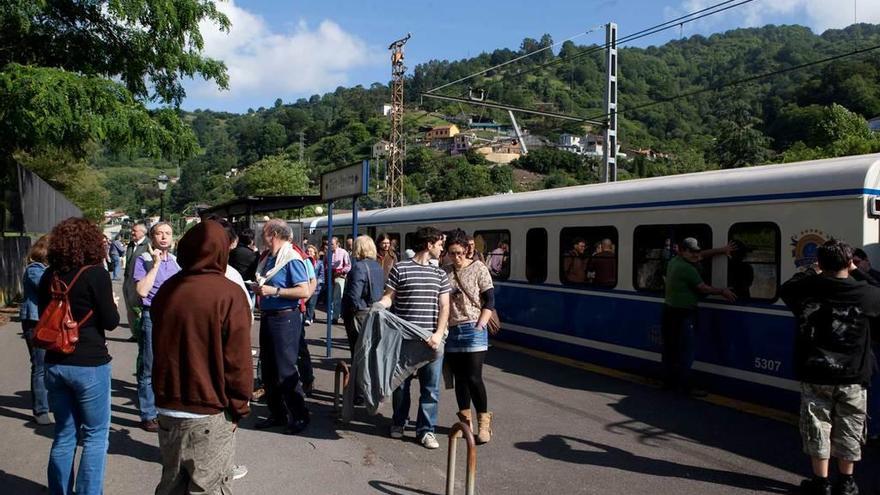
609 314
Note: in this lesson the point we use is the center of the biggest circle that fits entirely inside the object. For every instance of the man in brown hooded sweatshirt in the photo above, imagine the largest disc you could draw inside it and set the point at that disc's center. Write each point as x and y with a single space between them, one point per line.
202 370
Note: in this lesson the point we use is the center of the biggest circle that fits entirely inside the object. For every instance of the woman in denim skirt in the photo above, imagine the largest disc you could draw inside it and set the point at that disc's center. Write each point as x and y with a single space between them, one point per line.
471 302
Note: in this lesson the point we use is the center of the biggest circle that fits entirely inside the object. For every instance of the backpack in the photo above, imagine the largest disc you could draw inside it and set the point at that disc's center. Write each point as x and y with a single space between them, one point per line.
57 331
830 335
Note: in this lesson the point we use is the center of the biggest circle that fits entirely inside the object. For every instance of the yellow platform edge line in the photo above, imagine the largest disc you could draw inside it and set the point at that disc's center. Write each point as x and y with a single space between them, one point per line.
719 400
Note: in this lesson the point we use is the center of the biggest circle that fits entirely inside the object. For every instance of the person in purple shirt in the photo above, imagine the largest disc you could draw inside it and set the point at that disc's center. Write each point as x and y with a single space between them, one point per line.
340 263
151 270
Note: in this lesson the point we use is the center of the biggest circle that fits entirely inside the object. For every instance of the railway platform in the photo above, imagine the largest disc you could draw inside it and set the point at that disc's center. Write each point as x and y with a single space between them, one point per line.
559 428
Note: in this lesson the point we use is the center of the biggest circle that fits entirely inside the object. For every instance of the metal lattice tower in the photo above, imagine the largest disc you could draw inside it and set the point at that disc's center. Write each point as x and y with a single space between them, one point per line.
397 150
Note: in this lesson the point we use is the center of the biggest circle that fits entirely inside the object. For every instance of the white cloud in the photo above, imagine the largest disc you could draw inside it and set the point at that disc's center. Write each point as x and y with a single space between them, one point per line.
268 64
821 14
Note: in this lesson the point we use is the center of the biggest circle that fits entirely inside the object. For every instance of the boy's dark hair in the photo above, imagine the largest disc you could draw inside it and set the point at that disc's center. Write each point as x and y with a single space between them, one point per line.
227 226
834 255
860 253
425 236
246 236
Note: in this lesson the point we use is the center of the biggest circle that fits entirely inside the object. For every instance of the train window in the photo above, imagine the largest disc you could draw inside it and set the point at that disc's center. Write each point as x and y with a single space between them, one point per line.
494 245
655 245
588 256
410 239
536 255
753 269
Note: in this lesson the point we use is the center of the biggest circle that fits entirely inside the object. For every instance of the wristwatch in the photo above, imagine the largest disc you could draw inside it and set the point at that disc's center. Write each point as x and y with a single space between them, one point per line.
277 291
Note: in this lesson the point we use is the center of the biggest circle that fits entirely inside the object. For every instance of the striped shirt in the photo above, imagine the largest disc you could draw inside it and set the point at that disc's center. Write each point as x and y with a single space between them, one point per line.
417 292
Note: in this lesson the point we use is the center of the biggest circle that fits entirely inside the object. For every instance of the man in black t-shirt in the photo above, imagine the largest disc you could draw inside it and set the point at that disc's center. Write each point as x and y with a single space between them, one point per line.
243 258
833 360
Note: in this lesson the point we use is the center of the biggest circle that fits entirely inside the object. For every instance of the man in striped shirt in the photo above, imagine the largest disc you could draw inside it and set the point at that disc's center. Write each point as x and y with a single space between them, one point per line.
419 293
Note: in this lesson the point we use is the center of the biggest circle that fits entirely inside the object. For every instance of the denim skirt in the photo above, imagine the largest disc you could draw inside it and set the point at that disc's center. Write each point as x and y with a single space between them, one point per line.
466 337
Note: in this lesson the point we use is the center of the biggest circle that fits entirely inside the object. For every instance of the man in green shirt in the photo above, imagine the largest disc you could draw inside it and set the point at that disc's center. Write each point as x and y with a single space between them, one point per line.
684 287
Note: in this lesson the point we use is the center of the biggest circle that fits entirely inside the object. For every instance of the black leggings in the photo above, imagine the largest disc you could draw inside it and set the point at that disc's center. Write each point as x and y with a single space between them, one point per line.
467 367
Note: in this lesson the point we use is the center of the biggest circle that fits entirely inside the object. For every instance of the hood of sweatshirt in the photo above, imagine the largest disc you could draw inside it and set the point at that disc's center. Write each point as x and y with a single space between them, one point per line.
204 249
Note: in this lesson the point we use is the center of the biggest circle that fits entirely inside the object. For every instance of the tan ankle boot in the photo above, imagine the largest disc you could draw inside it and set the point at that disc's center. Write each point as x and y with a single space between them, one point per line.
485 424
465 417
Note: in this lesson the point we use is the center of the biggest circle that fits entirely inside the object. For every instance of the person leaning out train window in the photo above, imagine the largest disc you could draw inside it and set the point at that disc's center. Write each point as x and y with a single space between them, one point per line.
602 267
574 265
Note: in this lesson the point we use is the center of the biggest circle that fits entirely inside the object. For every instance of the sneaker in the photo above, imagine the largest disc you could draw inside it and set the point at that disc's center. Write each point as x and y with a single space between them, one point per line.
307 323
396 431
816 486
239 472
429 441
43 419
846 485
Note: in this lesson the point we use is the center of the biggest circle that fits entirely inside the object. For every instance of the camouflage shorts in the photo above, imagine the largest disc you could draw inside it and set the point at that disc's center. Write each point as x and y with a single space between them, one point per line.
832 420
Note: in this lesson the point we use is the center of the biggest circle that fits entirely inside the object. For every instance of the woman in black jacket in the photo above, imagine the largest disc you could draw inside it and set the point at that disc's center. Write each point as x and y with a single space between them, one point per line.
364 285
79 382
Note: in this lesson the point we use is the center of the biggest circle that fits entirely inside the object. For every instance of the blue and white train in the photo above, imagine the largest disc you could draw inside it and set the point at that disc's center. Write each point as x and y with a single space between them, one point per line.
781 213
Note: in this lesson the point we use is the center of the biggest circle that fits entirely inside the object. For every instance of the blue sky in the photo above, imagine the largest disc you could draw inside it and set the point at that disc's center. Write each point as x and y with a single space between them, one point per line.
292 49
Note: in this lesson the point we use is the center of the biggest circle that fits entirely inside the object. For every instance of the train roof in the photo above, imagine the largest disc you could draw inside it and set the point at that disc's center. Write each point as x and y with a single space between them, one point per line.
833 177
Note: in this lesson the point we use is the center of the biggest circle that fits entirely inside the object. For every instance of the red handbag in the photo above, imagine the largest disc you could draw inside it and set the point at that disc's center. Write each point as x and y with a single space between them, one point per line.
57 331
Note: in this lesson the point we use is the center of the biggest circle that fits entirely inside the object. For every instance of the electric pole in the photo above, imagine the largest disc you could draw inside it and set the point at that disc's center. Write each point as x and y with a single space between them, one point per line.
609 148
397 151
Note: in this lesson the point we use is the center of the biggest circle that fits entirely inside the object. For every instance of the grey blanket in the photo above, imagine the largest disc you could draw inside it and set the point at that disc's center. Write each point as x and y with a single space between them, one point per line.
389 350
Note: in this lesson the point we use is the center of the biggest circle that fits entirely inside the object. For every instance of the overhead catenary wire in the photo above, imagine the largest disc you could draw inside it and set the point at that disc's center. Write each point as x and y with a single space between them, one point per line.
677 22
745 80
517 59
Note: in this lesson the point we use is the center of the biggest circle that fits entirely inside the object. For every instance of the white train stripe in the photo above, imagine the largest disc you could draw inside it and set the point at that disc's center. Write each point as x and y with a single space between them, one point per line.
749 376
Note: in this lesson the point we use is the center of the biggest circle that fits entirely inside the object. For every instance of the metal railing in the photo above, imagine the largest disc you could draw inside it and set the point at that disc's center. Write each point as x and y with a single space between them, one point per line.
340 381
471 472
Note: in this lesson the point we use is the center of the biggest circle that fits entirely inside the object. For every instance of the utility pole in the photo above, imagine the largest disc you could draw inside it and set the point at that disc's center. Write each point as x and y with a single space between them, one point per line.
397 151
609 148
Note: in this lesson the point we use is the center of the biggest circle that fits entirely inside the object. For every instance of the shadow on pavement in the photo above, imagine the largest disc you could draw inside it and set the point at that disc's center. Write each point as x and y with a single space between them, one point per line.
565 448
12 484
394 489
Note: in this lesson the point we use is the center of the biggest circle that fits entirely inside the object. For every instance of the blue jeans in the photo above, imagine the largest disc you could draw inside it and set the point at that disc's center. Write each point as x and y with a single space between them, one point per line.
280 335
117 267
429 398
312 304
38 369
146 399
678 347
80 398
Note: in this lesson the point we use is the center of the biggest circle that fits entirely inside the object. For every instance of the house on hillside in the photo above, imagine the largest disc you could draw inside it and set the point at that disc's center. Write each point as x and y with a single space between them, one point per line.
487 124
385 110
461 143
570 143
381 149
442 137
874 124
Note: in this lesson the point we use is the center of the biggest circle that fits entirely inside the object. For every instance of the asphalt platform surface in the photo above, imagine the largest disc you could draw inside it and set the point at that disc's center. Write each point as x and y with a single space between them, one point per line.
558 430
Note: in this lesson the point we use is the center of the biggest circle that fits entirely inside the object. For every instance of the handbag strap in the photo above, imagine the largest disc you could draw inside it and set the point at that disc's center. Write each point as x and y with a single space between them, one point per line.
461 289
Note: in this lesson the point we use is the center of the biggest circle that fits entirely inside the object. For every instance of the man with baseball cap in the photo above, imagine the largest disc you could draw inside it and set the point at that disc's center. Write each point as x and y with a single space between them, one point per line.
684 287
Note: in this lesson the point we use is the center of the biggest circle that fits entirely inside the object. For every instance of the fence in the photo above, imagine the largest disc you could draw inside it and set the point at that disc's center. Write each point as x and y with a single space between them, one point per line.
13 251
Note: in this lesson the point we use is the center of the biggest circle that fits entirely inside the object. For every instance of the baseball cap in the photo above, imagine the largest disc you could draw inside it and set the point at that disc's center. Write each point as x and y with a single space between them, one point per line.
690 244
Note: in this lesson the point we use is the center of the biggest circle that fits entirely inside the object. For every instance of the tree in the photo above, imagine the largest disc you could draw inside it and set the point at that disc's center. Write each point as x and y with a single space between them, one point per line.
60 61
739 143
273 175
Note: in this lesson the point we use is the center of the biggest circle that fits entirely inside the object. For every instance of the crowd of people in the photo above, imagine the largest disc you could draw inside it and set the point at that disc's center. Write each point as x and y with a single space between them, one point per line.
191 307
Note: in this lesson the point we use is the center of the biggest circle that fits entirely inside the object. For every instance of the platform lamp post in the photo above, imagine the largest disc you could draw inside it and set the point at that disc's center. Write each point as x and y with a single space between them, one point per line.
162 182
143 214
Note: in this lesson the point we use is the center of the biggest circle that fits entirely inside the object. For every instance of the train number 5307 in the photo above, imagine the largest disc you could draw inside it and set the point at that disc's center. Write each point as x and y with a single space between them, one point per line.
767 364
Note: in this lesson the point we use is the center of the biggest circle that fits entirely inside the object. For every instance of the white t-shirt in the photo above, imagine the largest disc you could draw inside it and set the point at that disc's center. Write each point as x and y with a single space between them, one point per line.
232 274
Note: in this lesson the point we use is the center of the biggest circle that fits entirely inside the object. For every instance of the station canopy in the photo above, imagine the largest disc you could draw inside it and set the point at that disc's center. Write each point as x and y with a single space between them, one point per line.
252 205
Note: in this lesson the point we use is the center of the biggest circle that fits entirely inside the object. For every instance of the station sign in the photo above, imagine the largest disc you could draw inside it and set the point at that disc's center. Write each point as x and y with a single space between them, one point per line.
346 182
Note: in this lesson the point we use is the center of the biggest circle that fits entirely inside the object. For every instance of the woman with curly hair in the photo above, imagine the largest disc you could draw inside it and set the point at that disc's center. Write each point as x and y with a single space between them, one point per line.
79 382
